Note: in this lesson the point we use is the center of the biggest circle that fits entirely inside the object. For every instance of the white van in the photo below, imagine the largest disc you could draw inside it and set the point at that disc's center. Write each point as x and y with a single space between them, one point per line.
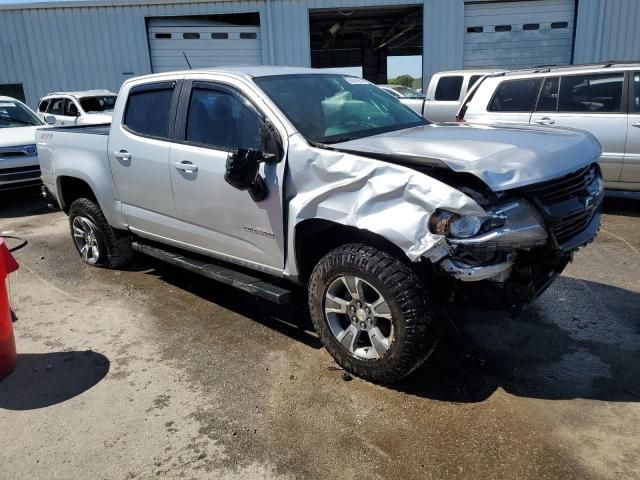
602 99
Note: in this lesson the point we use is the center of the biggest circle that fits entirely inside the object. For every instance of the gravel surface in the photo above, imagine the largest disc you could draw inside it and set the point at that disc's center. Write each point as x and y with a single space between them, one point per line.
152 372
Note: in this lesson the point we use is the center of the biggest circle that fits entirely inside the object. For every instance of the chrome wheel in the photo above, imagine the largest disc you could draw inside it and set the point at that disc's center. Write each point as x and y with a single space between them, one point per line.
359 317
85 236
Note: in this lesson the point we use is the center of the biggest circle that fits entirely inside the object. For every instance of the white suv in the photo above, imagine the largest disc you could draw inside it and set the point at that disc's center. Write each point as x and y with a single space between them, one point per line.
603 99
77 108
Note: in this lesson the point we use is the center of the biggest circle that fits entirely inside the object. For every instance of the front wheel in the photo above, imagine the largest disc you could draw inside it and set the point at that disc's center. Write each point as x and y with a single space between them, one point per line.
372 313
96 241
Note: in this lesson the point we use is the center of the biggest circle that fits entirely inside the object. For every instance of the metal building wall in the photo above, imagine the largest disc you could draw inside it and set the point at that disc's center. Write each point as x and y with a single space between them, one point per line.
607 30
76 48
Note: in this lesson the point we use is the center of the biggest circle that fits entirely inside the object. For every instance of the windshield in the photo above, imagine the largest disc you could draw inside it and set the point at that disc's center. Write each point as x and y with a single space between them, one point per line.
14 114
335 108
104 103
407 92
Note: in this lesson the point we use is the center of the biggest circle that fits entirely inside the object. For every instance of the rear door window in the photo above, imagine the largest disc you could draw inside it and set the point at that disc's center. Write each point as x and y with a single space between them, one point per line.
148 109
515 95
548 101
594 93
448 88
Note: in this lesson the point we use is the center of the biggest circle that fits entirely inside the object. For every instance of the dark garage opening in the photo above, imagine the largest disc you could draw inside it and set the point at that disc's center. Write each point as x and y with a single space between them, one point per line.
365 37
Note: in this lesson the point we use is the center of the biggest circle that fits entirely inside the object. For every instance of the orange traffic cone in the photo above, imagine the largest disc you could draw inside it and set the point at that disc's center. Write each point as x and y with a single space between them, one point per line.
7 340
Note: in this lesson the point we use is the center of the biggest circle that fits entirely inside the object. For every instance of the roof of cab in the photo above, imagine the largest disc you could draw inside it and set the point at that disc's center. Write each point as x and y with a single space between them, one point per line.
249 71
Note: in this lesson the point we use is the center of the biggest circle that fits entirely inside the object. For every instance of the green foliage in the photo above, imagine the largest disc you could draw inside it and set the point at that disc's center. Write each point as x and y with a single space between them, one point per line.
404 80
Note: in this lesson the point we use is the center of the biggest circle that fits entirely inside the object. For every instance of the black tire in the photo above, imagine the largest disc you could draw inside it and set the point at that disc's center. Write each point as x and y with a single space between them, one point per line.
415 333
114 245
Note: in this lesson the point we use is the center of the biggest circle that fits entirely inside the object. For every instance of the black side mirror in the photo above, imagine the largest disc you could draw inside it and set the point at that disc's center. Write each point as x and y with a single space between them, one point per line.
242 173
270 143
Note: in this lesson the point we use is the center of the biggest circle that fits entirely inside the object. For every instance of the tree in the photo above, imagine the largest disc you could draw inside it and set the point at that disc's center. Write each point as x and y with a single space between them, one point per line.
404 80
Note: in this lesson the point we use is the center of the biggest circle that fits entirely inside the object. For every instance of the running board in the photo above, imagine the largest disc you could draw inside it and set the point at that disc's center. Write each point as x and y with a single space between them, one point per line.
225 275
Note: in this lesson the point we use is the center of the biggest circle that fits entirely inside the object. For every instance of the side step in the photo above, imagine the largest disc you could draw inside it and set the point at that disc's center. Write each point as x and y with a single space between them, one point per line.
236 279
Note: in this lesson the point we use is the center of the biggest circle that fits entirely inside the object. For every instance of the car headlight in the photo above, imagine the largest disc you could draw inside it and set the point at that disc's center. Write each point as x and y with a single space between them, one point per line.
451 224
514 223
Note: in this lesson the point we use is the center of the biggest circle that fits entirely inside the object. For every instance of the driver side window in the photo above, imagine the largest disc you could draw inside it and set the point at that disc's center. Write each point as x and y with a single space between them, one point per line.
70 108
222 120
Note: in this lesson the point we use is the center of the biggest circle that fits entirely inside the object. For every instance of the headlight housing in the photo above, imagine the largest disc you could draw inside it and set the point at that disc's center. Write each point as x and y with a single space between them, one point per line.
514 224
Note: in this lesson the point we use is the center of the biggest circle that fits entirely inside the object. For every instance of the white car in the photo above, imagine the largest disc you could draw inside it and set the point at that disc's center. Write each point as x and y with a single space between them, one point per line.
408 96
18 155
602 99
447 90
91 107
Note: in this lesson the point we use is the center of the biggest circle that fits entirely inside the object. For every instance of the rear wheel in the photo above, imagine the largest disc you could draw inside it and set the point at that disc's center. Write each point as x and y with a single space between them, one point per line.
96 241
372 312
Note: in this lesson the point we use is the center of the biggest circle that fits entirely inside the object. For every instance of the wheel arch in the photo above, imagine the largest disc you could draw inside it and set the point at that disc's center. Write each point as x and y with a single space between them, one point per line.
316 237
71 188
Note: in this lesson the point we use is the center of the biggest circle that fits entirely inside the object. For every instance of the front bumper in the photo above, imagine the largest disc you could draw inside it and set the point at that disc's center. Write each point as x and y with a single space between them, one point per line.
511 276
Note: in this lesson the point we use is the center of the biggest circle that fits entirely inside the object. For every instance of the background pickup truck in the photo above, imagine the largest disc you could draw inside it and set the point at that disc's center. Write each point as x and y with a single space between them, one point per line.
266 178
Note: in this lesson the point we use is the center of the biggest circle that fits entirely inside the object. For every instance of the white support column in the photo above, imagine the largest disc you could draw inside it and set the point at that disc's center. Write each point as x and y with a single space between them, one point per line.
443 36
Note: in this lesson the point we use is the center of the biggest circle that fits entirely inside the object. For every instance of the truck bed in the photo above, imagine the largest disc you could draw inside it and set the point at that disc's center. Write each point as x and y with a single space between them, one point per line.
102 129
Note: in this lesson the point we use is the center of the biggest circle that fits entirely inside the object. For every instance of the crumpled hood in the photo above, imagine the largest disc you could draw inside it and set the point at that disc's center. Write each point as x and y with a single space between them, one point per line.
15 136
504 157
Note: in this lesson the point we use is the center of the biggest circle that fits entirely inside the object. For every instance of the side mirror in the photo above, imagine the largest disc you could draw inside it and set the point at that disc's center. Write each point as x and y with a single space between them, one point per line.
270 143
242 173
49 119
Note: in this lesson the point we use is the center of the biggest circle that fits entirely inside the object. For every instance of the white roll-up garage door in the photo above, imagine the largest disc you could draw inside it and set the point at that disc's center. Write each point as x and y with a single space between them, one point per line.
518 34
205 43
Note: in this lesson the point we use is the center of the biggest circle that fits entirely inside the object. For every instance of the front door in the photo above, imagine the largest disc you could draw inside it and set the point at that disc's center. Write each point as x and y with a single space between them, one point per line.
591 102
139 157
215 216
631 166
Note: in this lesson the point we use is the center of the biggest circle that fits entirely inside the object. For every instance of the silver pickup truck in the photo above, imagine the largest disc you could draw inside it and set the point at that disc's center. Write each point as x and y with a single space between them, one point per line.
265 178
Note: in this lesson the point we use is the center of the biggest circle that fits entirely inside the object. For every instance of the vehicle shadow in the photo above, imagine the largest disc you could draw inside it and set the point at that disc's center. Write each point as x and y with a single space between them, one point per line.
625 204
44 379
22 203
292 320
581 339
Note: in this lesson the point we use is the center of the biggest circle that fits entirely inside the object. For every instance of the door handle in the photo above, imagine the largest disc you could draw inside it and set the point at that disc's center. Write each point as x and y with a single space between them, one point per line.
122 155
637 124
186 166
545 121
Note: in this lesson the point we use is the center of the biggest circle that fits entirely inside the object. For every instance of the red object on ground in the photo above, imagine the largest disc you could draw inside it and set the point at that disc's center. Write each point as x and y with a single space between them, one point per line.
7 341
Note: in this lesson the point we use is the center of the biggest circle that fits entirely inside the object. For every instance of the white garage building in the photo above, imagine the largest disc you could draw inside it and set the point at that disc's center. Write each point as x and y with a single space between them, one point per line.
75 45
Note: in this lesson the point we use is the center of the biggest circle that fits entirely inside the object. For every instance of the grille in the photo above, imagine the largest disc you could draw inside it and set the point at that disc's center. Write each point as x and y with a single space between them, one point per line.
565 187
567 204
571 225
30 168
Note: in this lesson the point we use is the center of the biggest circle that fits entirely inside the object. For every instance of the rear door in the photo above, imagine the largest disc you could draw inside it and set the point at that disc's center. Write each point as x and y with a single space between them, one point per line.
631 166
217 119
139 147
594 102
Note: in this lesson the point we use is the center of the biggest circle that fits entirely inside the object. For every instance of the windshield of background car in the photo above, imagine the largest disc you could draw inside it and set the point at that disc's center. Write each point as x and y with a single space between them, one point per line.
14 114
408 92
336 108
104 103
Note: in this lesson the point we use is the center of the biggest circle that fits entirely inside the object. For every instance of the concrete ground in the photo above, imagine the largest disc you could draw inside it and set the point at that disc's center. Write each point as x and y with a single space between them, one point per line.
153 372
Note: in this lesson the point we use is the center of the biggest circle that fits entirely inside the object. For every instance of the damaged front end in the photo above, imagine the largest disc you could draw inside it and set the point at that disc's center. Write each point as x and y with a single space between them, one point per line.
508 257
